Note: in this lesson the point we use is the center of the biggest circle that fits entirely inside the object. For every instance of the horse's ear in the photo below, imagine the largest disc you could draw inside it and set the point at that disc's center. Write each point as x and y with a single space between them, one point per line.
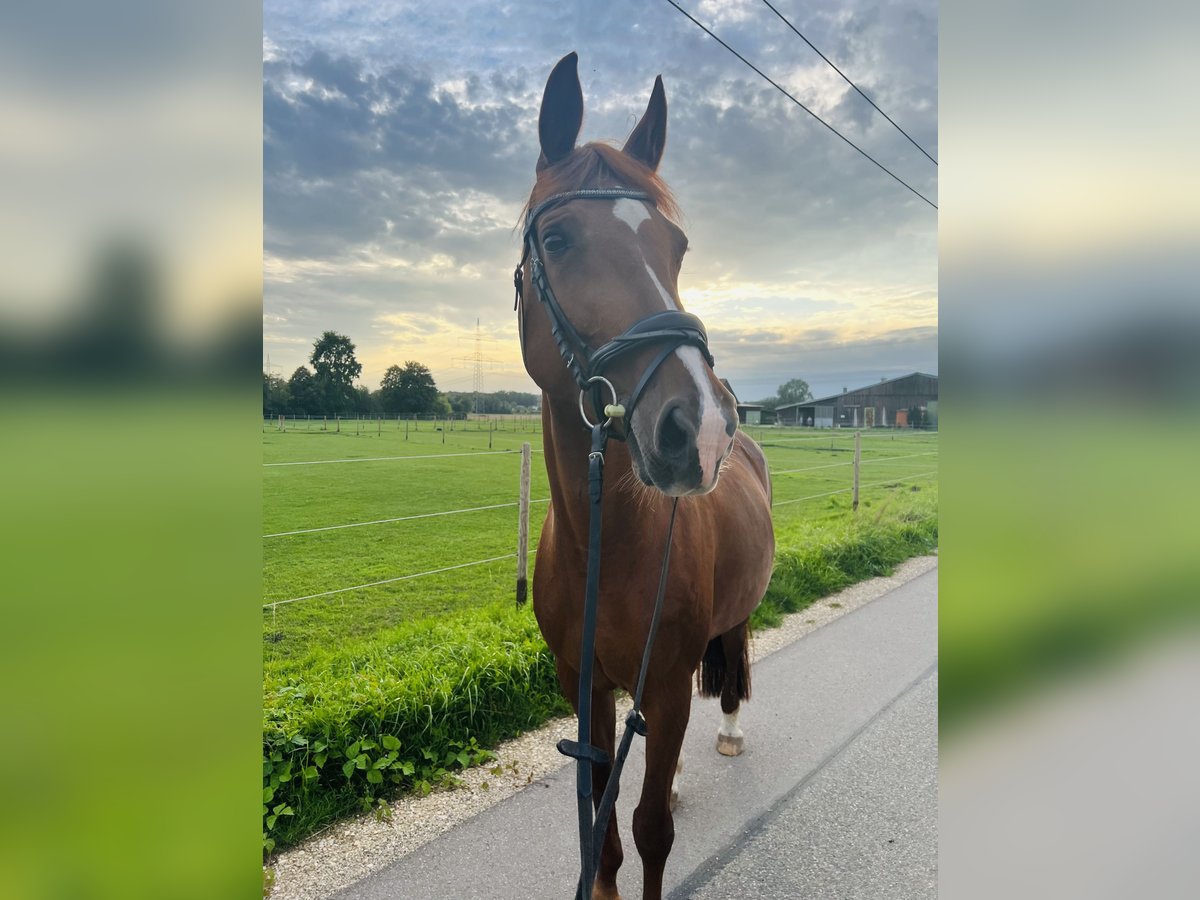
562 111
649 138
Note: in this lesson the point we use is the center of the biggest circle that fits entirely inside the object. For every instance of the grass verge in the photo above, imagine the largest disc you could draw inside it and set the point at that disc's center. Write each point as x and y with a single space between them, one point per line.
814 562
406 708
399 712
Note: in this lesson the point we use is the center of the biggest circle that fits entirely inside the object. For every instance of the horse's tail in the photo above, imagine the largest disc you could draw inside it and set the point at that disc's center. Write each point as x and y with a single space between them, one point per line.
714 667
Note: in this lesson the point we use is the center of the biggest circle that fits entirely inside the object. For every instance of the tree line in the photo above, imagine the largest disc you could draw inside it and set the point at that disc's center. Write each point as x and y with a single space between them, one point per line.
328 389
794 391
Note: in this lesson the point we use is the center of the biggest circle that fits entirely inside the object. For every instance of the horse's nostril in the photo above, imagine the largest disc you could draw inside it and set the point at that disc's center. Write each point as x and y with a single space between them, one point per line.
675 434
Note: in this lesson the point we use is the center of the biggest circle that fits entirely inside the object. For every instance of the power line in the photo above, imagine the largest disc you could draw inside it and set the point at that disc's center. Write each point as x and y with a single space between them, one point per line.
847 80
777 87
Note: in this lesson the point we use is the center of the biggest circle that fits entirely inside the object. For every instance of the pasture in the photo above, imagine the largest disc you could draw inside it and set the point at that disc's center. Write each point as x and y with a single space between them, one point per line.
367 506
391 638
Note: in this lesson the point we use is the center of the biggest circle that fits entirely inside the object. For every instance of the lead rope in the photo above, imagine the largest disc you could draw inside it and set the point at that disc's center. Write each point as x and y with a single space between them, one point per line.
592 831
582 750
634 722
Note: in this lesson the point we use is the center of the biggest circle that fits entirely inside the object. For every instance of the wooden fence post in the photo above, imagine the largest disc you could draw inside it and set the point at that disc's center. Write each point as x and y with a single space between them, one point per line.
523 528
857 462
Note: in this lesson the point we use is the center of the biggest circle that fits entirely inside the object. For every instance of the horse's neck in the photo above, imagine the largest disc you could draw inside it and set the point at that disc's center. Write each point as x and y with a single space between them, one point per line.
567 444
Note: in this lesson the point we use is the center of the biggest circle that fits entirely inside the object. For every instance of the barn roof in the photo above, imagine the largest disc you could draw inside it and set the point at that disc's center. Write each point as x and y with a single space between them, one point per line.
832 398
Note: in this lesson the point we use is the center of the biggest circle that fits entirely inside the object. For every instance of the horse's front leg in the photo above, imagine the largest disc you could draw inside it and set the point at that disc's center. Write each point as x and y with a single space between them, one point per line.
604 736
604 728
667 706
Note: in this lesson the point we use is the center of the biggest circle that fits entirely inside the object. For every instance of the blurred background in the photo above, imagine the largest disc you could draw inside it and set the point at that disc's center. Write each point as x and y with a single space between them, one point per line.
1069 323
130 311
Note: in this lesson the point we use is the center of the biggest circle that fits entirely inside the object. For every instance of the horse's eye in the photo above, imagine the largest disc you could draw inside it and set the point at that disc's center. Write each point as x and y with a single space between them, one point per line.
554 242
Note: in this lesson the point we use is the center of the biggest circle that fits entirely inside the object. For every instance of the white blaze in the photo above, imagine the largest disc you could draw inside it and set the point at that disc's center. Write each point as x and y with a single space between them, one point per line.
711 439
632 212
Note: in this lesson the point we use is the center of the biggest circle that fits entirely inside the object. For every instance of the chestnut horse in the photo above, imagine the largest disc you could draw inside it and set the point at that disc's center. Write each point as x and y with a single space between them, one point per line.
602 241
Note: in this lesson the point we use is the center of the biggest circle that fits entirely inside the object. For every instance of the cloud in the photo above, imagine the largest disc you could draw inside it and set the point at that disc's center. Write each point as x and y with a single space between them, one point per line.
399 142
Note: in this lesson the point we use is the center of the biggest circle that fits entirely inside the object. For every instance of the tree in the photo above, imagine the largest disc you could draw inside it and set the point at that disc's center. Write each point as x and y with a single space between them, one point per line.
336 368
305 394
365 402
408 390
794 391
276 396
460 404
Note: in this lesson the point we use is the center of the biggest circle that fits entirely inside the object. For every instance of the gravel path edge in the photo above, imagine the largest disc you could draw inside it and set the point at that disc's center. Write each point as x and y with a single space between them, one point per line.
353 849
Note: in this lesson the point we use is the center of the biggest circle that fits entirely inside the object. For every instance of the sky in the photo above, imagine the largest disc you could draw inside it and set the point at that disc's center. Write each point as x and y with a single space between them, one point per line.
400 141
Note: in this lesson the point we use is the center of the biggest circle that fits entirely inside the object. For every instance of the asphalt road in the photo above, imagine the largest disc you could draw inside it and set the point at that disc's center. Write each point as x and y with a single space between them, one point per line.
835 796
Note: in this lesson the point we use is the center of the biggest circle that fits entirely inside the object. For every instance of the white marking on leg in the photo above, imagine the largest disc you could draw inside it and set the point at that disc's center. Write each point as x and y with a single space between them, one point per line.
712 441
675 780
729 727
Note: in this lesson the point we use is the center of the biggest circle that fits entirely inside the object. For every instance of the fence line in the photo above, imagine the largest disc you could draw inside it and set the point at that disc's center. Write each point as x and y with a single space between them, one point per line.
907 456
847 490
810 468
449 512
359 587
324 462
273 605
864 462
843 434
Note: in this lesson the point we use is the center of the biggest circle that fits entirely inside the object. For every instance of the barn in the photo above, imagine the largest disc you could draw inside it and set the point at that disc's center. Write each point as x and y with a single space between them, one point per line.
750 413
886 404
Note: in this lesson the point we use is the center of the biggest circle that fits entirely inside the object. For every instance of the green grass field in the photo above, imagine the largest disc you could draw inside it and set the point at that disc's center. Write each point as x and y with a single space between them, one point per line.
381 672
368 473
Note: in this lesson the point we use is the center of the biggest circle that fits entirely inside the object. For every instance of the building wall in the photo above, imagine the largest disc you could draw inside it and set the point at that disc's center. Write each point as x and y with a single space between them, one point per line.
876 404
885 399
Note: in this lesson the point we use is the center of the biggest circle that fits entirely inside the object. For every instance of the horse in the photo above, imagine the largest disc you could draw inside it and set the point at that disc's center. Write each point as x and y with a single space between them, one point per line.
603 251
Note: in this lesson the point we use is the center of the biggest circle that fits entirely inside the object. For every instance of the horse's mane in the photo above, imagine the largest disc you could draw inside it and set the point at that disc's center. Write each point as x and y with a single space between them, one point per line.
601 165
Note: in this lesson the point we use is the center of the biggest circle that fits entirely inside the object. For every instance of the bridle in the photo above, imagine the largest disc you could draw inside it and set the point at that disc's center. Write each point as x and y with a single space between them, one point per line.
671 328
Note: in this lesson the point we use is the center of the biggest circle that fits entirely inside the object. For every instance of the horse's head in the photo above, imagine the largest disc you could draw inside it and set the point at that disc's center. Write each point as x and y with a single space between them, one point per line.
610 261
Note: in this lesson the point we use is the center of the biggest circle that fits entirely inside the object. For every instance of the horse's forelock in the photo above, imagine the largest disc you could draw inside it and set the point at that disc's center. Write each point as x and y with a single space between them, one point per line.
601 165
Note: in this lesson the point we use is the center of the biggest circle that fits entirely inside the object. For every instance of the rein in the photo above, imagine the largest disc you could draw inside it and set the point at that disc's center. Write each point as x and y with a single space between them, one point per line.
672 329
585 754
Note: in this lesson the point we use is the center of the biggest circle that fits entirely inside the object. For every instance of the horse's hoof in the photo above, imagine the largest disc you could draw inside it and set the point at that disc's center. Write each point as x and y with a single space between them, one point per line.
727 745
600 892
674 799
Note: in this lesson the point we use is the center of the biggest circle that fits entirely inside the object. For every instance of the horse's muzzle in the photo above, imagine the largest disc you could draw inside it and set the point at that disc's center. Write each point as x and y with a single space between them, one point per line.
683 458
